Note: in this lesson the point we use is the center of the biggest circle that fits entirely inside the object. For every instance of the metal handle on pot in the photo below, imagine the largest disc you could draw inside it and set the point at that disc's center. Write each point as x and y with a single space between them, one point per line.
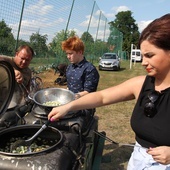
118 144
23 86
26 91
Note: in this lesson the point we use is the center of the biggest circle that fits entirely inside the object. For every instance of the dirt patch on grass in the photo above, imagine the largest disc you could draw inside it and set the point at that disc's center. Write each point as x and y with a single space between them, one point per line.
48 78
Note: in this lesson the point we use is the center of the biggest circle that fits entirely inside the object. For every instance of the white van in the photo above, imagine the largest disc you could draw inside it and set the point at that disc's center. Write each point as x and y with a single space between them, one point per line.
136 55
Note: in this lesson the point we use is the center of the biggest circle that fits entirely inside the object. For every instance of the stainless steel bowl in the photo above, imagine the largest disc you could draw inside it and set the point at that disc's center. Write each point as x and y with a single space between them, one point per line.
60 95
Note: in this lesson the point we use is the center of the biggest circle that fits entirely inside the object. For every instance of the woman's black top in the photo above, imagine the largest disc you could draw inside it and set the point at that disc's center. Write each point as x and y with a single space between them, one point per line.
152 131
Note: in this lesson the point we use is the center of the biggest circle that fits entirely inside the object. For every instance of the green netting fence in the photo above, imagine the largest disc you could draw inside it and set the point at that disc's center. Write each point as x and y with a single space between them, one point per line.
44 24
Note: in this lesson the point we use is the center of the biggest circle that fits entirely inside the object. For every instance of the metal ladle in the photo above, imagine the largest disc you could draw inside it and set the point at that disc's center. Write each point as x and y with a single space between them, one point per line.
29 141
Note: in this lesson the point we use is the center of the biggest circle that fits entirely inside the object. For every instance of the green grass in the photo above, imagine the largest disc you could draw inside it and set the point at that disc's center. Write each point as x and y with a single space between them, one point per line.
42 61
110 78
115 119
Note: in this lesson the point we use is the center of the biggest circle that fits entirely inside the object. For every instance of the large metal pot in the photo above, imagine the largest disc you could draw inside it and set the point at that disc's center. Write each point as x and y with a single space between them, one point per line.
53 135
53 158
60 95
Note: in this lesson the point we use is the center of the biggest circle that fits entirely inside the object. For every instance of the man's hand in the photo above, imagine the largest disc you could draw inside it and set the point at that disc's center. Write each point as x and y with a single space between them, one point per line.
18 76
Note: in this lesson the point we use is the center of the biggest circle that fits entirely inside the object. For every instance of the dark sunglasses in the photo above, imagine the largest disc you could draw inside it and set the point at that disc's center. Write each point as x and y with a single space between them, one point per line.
150 108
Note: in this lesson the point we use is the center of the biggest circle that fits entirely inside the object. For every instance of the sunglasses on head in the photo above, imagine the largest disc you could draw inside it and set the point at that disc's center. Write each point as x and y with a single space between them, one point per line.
150 108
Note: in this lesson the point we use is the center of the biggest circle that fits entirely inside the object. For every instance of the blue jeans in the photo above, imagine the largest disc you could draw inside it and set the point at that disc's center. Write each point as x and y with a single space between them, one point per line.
141 160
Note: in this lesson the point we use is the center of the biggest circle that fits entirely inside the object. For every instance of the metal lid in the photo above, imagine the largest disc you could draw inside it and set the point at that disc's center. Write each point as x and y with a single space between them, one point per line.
7 84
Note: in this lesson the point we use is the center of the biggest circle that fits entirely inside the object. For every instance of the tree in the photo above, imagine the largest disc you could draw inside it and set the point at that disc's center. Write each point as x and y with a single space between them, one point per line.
38 43
88 40
23 42
55 45
7 45
87 37
125 23
100 47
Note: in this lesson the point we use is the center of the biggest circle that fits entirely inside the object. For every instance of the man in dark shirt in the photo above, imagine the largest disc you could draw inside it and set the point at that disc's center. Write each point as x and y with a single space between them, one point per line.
82 76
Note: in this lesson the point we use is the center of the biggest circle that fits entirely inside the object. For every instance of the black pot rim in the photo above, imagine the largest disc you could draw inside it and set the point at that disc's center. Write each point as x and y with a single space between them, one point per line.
13 129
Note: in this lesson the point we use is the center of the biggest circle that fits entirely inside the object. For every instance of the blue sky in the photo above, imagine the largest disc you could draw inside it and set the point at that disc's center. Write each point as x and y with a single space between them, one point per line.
143 11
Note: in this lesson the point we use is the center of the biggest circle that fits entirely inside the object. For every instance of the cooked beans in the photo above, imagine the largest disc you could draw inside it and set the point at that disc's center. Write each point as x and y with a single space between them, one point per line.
52 103
38 145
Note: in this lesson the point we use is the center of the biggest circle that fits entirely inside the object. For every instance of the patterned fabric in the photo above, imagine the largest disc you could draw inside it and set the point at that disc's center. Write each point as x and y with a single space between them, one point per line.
82 77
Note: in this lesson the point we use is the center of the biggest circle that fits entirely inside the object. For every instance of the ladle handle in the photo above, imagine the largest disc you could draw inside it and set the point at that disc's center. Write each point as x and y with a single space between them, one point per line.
47 122
118 144
40 130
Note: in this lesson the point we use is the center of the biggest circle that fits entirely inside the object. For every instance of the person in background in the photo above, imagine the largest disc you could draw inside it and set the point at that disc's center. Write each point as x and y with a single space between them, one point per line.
61 68
82 76
151 115
20 63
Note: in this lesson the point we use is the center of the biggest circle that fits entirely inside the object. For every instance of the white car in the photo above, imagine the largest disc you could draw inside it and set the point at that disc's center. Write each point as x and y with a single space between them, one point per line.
109 61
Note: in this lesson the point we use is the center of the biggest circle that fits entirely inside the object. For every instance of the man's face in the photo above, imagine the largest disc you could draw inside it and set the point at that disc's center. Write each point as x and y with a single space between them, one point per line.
73 56
23 59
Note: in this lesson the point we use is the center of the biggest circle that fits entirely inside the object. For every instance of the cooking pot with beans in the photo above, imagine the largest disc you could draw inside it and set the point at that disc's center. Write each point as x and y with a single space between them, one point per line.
49 151
44 142
53 97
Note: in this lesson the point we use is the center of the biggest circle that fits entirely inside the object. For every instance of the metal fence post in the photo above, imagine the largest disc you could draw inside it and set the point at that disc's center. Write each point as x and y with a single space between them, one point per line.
90 18
68 19
16 45
97 33
98 26
104 32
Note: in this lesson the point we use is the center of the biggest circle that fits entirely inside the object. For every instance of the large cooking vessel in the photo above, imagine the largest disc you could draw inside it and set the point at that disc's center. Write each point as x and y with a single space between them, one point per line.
51 135
58 95
59 155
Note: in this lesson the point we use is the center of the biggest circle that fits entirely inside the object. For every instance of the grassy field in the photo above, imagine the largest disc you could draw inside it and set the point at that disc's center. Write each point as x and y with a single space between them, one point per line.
113 119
